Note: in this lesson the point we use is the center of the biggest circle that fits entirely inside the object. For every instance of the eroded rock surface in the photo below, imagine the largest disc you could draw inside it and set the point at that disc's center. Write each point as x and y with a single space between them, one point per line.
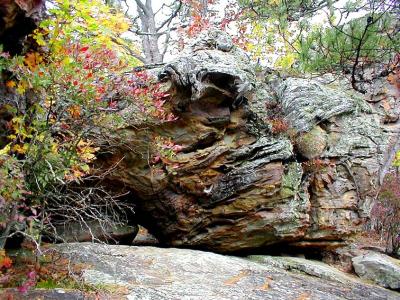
238 184
157 273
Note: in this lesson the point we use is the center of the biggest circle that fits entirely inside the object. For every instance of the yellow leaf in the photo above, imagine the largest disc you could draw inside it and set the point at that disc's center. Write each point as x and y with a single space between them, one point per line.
21 88
286 61
87 157
20 149
66 61
86 151
78 173
41 137
54 148
6 149
47 103
38 37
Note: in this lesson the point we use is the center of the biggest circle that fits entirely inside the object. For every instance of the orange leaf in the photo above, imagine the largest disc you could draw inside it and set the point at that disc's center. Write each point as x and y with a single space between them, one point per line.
386 105
237 278
10 84
5 262
74 111
304 296
266 284
391 78
32 59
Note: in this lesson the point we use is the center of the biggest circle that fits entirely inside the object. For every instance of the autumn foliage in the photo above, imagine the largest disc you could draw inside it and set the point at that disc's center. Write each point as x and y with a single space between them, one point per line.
78 79
385 214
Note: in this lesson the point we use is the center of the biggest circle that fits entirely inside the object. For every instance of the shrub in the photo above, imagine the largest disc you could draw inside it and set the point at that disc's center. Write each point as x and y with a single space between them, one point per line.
385 214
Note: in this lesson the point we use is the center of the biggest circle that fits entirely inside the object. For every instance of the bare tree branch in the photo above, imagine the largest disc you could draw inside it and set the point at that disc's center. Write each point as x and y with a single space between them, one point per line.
172 16
142 6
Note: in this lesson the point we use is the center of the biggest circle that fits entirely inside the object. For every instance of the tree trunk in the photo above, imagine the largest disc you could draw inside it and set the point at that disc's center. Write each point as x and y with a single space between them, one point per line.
149 34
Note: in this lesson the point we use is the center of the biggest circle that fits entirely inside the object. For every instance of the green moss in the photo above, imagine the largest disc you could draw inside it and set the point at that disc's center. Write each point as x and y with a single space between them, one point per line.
47 284
73 284
291 180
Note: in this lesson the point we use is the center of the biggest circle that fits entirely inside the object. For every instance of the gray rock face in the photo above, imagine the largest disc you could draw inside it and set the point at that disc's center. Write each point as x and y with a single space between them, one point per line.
163 274
307 103
237 184
379 268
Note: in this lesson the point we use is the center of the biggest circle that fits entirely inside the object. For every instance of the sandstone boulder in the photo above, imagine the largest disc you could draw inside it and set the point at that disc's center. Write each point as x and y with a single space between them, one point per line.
237 184
379 268
18 19
312 144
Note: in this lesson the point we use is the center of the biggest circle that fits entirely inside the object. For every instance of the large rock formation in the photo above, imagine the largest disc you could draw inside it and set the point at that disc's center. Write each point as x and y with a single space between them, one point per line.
283 161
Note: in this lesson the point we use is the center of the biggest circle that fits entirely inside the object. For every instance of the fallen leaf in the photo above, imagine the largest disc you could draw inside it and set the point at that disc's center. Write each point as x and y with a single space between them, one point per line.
237 278
304 296
266 284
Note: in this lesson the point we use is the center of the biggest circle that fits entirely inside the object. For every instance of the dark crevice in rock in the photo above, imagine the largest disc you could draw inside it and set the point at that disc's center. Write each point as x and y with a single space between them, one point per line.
203 143
13 37
17 20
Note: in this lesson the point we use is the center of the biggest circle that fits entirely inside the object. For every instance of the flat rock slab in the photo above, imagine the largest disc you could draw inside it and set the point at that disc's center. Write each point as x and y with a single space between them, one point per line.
158 273
306 266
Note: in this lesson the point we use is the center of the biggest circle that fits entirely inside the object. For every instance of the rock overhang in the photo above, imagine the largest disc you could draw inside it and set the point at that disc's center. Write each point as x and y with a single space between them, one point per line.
236 185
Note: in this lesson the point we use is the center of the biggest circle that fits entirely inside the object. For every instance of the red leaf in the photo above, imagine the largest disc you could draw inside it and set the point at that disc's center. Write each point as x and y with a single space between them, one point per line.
113 104
84 49
64 126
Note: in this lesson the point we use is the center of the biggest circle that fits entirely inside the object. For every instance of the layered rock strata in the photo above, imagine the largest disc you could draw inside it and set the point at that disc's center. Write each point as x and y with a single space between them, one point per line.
239 183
